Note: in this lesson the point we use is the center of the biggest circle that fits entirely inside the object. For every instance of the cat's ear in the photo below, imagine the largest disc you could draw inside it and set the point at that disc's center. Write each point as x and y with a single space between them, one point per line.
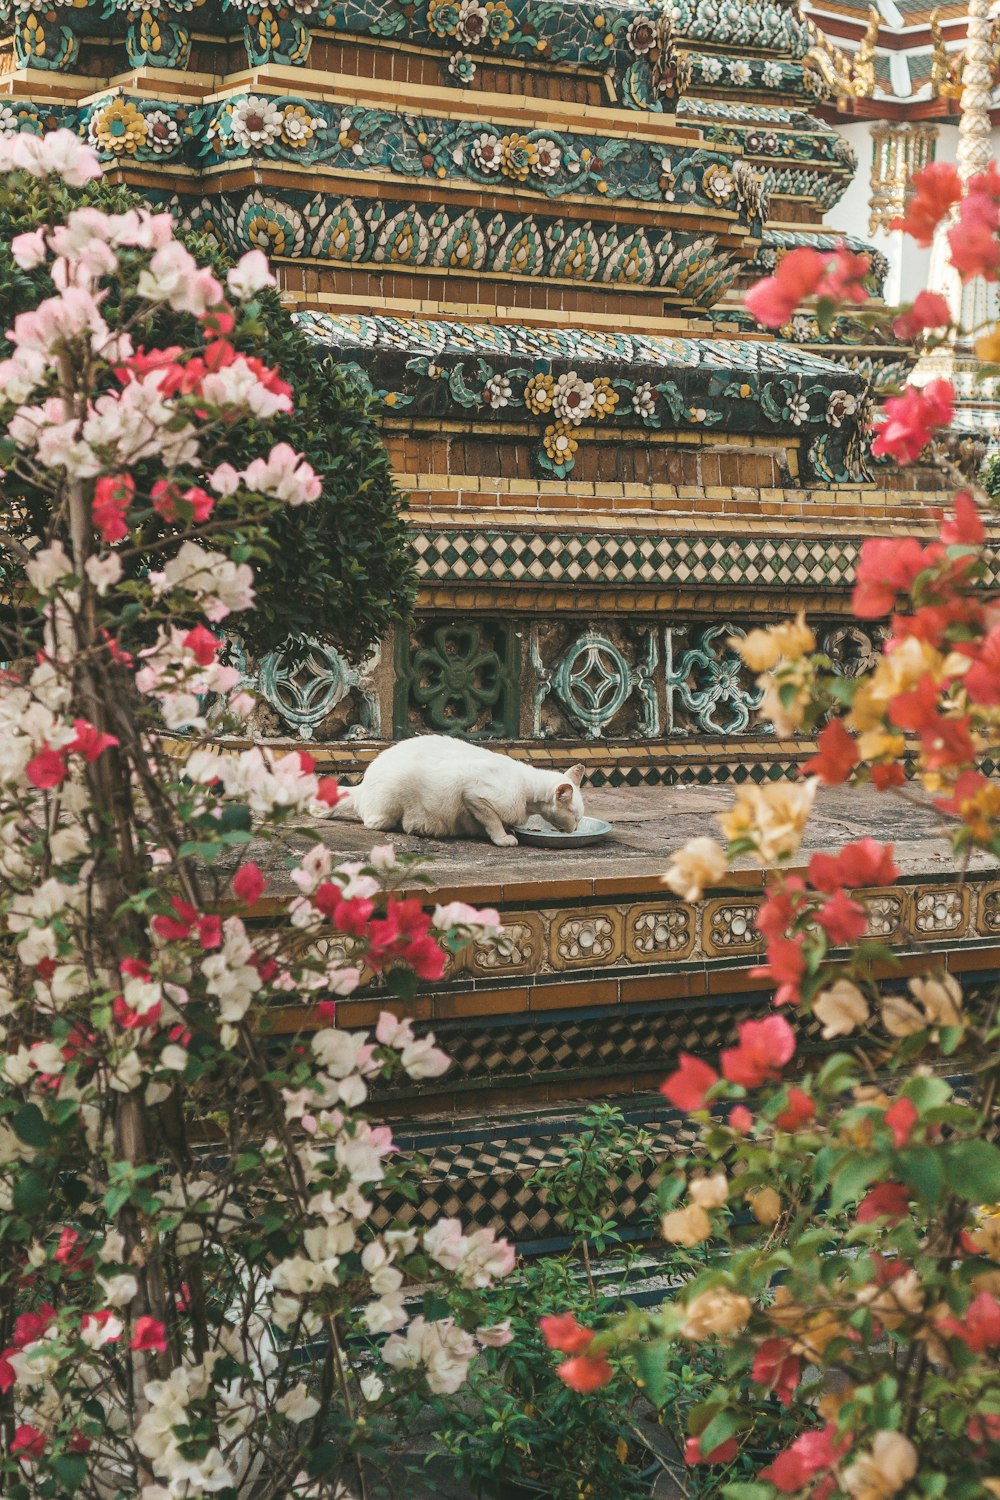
564 791
575 775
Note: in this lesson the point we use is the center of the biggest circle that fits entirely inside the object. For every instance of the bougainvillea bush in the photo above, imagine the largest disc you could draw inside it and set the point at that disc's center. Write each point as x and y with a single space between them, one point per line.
856 1281
194 1298
340 570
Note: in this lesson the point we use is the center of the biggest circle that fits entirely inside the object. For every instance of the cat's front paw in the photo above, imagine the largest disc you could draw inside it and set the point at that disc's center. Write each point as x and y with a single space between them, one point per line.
504 840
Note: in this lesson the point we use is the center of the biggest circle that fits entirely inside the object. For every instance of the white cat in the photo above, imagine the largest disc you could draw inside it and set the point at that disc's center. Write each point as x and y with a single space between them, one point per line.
443 787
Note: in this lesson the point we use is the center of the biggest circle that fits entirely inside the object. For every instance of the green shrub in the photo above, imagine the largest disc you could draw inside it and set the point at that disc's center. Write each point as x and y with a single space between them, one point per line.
340 569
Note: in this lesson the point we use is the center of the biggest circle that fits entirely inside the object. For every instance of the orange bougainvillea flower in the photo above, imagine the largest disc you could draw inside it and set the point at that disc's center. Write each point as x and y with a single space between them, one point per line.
837 755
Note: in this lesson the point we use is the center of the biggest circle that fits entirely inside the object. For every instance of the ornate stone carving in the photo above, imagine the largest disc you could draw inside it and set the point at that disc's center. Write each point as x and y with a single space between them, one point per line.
709 690
593 680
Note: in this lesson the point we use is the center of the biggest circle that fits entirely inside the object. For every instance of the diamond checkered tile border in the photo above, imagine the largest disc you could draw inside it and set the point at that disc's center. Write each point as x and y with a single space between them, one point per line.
569 1048
517 557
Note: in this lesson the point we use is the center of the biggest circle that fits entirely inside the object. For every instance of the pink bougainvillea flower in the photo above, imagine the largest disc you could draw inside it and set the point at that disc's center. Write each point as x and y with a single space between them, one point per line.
686 1088
561 1331
248 883
764 1048
113 494
88 740
149 1333
887 566
936 189
929 310
27 1442
965 527
864 863
796 277
799 1110
47 769
809 1455
912 419
901 1118
842 919
784 968
979 1329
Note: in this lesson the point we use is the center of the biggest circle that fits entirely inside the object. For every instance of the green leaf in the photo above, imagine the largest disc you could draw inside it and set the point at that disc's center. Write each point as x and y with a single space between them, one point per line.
71 1468
31 1126
922 1170
973 1170
655 1362
747 1491
31 1194
723 1426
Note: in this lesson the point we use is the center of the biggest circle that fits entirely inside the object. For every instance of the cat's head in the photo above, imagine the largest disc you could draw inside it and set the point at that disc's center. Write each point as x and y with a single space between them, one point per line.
564 808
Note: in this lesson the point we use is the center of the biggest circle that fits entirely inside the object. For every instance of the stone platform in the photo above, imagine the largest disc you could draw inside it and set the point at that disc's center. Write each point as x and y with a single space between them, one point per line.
606 976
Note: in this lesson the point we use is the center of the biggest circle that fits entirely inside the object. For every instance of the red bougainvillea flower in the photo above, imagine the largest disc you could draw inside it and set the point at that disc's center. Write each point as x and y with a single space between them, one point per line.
965 527
982 680
809 1455
777 1368
723 1454
980 1328
149 1333
799 1110
912 419
740 1119
901 1118
248 883
27 1442
929 310
687 1087
842 919
935 191
784 968
561 1331
865 863
781 908
764 1048
887 566
585 1372
328 791
47 769
113 494
889 1200
88 741
836 757
202 644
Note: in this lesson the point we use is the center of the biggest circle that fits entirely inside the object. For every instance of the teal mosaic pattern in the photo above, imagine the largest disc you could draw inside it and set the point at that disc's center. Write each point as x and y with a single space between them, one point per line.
796 154
710 70
739 24
568 379
550 164
395 234
777 241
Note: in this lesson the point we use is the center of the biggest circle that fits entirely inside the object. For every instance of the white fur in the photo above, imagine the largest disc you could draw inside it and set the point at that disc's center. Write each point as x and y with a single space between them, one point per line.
447 788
